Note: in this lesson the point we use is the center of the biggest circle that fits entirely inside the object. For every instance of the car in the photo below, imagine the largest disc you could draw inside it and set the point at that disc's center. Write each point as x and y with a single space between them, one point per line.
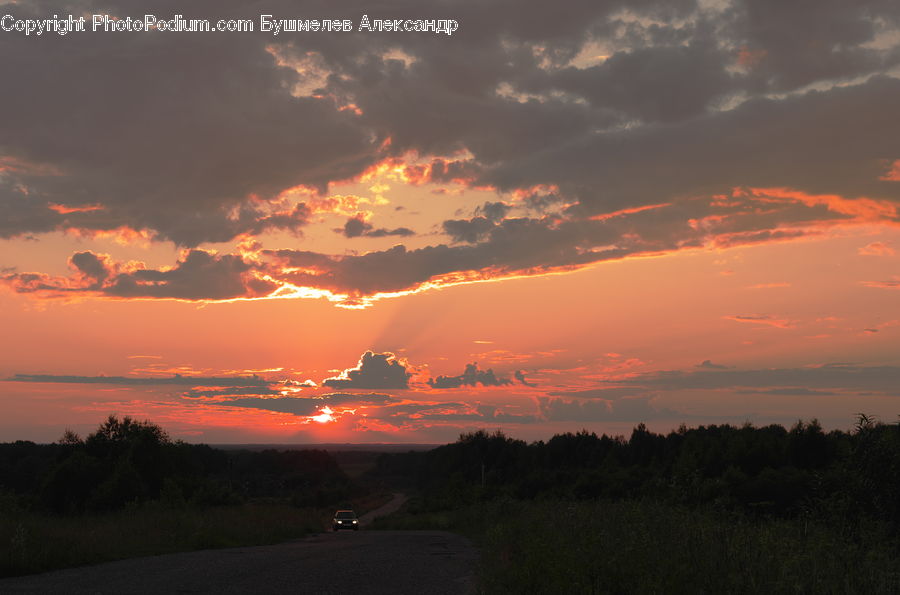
345 519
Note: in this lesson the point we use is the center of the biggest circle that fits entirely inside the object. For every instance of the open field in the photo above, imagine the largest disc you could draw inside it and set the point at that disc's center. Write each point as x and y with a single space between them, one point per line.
555 546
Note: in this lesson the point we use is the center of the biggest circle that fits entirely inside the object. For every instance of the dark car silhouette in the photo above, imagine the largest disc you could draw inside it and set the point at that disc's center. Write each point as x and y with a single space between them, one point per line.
345 519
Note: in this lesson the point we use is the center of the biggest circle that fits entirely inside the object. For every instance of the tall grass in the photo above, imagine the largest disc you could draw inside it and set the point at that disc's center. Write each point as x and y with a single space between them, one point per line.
648 547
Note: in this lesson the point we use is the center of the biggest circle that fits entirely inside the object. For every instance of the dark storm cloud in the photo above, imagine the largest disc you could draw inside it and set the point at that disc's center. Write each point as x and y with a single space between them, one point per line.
374 370
471 377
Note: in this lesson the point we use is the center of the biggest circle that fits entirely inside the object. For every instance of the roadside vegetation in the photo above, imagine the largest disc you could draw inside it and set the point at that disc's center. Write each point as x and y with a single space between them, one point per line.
715 509
128 490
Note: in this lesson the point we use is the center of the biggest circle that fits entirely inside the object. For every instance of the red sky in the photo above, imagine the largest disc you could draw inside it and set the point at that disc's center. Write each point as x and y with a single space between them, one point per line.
674 215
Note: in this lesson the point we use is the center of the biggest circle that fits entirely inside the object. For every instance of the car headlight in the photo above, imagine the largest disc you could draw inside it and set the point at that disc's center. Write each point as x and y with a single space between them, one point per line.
354 522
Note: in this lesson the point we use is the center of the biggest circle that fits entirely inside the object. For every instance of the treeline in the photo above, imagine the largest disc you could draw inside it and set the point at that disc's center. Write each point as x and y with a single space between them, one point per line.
767 470
128 462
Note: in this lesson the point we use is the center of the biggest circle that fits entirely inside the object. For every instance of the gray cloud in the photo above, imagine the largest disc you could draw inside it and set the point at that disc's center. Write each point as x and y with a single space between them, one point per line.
494 211
374 370
520 376
651 83
807 42
471 377
199 275
357 226
715 153
154 134
468 230
168 143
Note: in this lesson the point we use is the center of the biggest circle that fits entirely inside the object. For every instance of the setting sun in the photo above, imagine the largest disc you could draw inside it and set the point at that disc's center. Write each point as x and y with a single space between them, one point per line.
325 416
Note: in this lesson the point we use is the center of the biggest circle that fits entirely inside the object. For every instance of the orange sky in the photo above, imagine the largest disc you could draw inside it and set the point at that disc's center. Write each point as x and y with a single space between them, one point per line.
783 305
682 215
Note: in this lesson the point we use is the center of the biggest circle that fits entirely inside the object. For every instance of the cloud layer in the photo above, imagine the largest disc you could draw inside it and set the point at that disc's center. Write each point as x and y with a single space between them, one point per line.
608 129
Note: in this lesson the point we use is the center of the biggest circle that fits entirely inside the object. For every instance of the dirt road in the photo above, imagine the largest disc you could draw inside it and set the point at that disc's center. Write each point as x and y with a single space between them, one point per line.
391 507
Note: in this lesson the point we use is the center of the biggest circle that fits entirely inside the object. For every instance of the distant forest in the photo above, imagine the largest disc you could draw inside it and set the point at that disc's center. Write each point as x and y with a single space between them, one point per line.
128 462
767 470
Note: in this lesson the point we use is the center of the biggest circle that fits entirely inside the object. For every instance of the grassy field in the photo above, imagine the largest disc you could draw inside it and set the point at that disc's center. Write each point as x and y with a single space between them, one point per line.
645 547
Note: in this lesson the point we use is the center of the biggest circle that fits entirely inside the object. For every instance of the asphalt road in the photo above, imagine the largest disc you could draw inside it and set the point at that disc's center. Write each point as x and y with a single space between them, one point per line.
354 562
364 562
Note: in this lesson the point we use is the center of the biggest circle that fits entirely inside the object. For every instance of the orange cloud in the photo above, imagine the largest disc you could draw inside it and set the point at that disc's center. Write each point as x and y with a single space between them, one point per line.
893 284
606 216
764 320
860 209
66 209
876 249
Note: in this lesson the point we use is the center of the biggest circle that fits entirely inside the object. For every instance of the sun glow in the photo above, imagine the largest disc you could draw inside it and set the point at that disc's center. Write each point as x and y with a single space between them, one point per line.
325 415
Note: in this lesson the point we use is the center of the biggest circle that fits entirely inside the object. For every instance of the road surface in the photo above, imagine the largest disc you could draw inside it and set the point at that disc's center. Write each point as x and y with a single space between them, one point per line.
354 562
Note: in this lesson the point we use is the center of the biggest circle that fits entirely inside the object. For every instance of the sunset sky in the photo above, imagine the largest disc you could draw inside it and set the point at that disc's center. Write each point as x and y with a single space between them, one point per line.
563 216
